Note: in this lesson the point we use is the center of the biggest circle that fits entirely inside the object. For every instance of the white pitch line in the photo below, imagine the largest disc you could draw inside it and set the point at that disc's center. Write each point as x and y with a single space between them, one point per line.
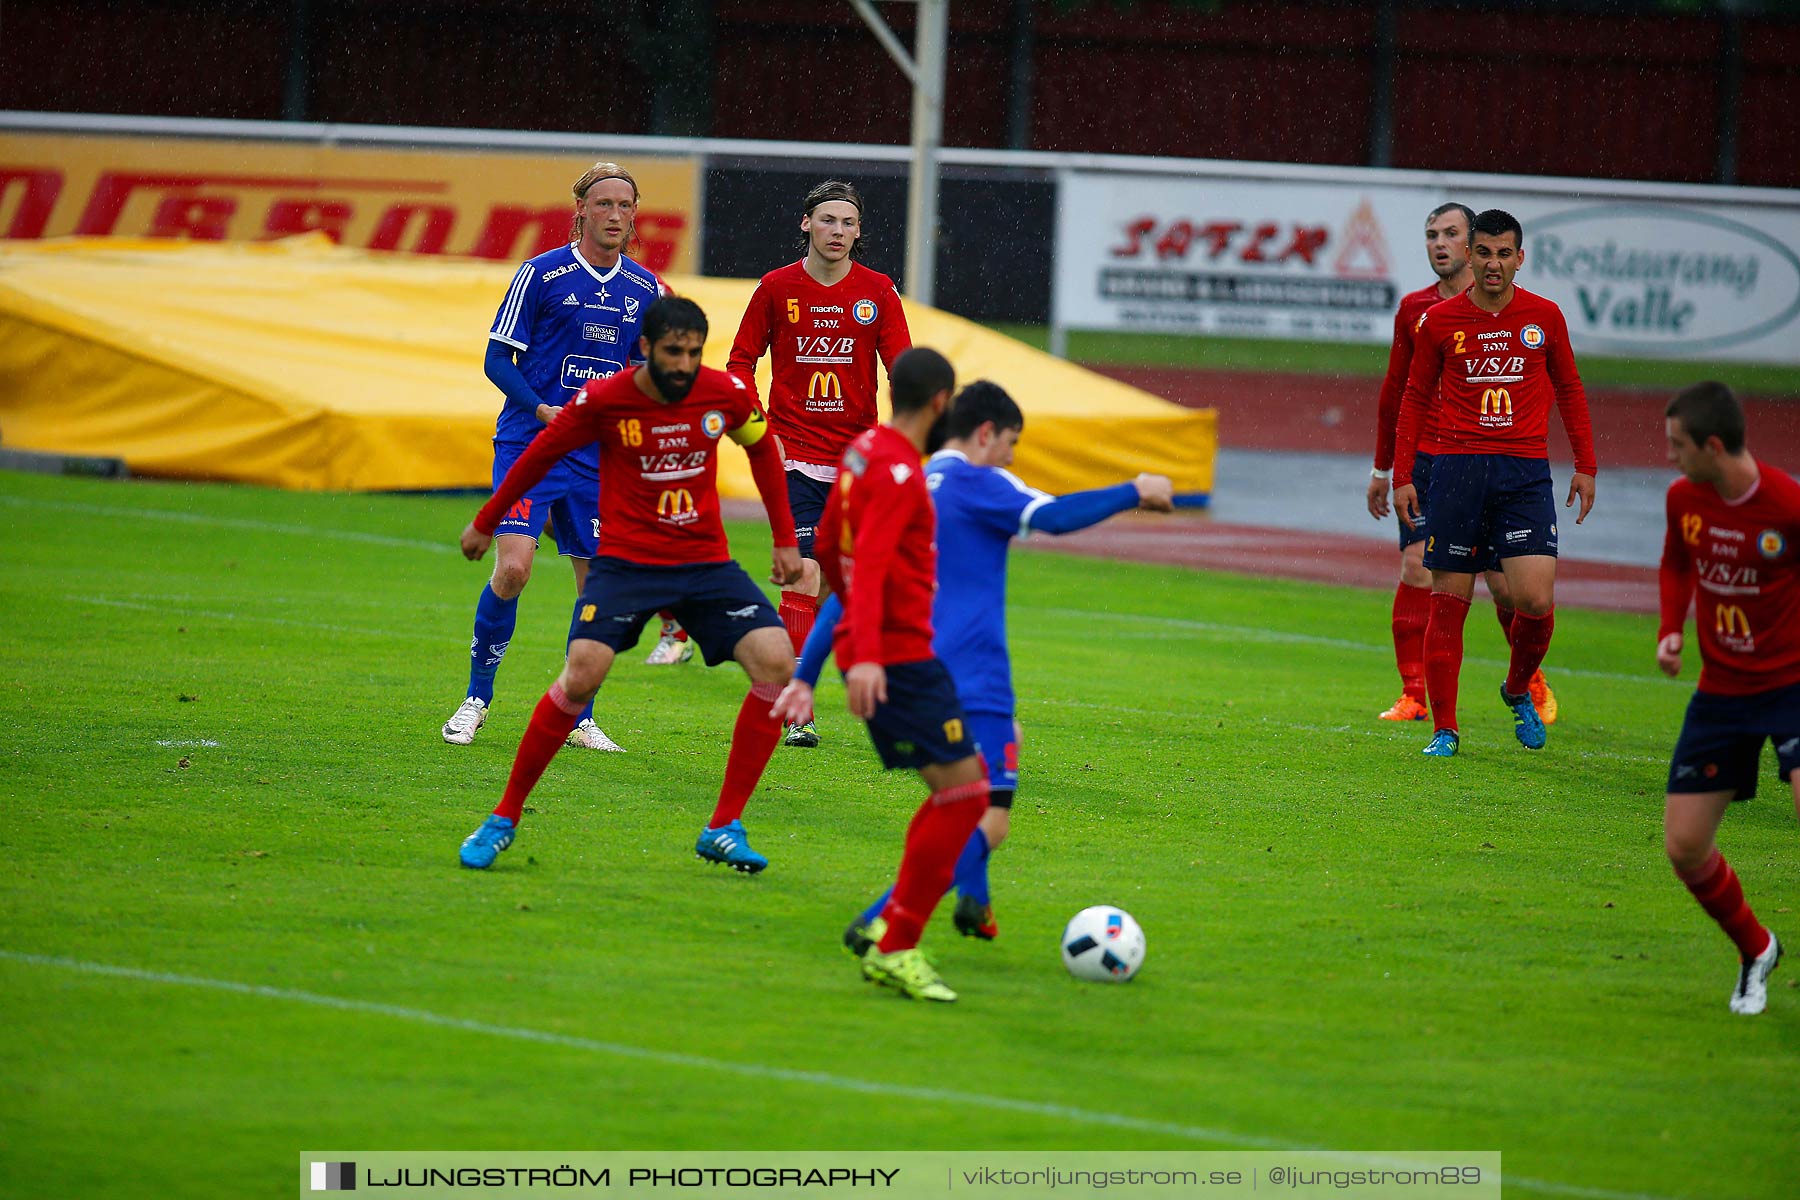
179 743
820 1079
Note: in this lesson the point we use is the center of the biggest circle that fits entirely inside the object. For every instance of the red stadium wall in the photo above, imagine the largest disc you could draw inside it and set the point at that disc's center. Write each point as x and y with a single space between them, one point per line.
1609 95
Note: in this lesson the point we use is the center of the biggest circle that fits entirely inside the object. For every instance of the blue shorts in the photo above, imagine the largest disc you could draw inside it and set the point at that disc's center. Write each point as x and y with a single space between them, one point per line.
997 737
922 721
565 497
715 602
1488 507
1722 737
1422 529
806 498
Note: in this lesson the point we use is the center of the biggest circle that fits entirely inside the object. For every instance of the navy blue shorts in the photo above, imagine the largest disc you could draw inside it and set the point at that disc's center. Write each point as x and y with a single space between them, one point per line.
715 602
1421 478
1722 737
567 499
806 497
997 737
1487 507
1422 529
921 721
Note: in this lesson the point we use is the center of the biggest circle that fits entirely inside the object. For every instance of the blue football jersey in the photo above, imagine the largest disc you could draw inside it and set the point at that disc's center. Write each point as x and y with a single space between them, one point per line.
979 511
570 322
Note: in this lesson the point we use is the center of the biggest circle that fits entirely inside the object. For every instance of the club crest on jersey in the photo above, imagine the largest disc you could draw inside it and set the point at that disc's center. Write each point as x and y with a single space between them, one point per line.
864 312
1532 336
713 423
631 307
1771 543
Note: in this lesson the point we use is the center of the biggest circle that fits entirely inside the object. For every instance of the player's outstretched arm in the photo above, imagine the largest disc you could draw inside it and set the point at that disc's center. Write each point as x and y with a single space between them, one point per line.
572 426
1583 486
1081 510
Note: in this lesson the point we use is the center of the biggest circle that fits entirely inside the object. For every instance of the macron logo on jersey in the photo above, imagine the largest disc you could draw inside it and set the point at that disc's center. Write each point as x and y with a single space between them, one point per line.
902 472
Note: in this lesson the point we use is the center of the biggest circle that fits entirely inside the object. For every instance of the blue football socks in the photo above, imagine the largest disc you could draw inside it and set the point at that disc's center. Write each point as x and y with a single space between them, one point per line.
874 910
494 620
971 868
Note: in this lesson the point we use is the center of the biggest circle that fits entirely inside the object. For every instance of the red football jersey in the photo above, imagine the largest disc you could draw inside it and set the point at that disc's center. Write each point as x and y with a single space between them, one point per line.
825 341
877 547
659 466
1744 556
1393 385
1492 378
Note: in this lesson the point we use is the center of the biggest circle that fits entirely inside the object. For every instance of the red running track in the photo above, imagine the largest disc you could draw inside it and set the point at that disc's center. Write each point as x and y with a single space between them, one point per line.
1336 415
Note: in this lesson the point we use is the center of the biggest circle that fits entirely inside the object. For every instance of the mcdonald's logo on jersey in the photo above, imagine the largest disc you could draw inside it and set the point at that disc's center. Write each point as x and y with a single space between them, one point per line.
1500 401
825 385
1731 623
677 503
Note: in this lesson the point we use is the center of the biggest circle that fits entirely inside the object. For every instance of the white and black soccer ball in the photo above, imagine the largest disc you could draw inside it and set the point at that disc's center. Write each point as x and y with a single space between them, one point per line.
1104 944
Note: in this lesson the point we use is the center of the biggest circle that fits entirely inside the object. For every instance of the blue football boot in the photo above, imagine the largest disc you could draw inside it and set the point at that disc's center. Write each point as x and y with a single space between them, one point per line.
1527 726
729 844
481 848
1443 744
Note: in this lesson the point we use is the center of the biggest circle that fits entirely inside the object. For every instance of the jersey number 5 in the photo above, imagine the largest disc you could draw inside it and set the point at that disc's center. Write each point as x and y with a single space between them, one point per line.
793 311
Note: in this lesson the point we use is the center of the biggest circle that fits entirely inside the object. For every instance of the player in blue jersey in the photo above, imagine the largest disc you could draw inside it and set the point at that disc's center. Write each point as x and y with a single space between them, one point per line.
981 508
570 315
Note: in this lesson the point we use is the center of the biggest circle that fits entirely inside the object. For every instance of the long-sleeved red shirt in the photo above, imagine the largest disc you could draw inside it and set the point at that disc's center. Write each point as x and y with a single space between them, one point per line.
823 343
1492 379
1393 384
659 467
1743 556
877 547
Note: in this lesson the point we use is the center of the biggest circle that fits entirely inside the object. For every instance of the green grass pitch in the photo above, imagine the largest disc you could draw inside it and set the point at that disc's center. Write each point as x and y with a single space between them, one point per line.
235 927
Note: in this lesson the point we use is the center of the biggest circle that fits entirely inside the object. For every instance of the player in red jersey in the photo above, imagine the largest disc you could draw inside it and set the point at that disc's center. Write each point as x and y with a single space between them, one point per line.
825 319
1447 249
1734 533
1489 364
662 546
877 550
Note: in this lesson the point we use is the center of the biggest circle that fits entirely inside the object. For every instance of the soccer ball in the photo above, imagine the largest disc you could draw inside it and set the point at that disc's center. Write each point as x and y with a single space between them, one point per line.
1104 944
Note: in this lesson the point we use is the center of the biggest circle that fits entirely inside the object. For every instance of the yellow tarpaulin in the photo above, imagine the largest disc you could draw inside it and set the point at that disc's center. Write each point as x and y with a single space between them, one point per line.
303 365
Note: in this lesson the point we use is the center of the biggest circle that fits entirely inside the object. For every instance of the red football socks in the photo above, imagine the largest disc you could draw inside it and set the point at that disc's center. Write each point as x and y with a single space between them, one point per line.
551 721
1717 889
1505 616
1443 656
798 612
934 841
753 740
1412 611
1530 642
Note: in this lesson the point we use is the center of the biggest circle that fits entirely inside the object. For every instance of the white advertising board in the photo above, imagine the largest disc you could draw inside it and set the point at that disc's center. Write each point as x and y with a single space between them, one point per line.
1251 258
1666 280
1635 275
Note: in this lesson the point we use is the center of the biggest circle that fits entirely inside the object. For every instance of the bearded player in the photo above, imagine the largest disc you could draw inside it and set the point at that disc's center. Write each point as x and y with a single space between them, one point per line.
662 546
825 320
